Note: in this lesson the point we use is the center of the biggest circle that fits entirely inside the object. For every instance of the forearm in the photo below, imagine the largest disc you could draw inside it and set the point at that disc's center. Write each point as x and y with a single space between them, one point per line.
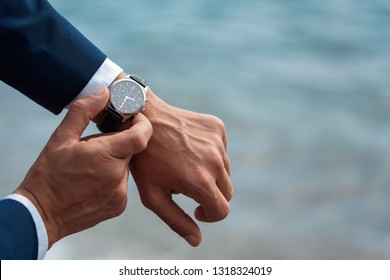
43 55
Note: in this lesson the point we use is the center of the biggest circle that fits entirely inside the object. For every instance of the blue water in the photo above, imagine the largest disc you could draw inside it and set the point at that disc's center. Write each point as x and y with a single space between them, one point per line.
304 90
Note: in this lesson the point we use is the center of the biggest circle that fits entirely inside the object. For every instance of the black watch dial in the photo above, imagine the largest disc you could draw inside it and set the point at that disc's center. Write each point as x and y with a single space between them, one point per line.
127 96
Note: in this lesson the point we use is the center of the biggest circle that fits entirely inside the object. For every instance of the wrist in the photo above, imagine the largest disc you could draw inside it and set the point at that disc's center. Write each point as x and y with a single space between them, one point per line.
168 124
120 76
51 230
154 107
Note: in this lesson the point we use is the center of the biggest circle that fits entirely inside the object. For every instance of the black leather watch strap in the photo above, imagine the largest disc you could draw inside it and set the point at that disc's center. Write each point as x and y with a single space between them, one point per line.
139 80
110 121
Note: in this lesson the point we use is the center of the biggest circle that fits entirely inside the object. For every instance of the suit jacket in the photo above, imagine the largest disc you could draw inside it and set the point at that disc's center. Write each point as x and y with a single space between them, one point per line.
43 56
18 236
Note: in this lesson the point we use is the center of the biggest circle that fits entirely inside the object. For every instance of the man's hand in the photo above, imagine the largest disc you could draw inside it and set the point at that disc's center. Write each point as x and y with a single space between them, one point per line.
77 182
187 155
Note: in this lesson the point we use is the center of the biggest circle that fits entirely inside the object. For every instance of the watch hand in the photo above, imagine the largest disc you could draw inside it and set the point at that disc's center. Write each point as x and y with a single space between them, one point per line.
132 89
124 101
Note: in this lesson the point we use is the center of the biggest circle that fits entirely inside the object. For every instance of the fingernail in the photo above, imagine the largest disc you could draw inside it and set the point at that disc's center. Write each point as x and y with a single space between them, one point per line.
192 240
99 92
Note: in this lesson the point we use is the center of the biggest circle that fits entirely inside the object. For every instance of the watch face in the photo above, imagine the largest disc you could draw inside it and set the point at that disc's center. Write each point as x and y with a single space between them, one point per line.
127 97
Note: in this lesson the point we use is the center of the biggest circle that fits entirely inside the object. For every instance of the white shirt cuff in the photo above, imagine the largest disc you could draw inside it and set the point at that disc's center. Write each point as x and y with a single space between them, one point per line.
43 241
103 77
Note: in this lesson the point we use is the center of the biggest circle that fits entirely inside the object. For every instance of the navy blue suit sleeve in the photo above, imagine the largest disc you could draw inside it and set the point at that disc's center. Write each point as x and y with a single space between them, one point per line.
42 55
18 235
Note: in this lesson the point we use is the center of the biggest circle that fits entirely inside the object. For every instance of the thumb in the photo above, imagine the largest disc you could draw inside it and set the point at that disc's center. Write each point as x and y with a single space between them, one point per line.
81 112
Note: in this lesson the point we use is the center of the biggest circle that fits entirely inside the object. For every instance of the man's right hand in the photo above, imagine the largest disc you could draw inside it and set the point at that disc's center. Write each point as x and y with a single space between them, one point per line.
77 182
187 155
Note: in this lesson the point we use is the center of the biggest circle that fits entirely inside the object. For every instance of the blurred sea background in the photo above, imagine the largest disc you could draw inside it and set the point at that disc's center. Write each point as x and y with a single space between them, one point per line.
304 90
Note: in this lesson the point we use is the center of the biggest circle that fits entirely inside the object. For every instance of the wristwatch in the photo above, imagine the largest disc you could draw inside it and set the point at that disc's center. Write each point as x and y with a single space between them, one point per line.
127 98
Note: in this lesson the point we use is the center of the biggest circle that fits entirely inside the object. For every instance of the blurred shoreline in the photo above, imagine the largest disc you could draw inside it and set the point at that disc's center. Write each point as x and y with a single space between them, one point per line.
303 89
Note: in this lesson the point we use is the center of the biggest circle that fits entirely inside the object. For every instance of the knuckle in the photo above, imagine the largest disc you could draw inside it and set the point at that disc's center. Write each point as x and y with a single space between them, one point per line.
229 194
117 175
226 211
150 201
223 212
201 177
118 203
218 124
227 164
119 210
77 106
215 158
140 142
